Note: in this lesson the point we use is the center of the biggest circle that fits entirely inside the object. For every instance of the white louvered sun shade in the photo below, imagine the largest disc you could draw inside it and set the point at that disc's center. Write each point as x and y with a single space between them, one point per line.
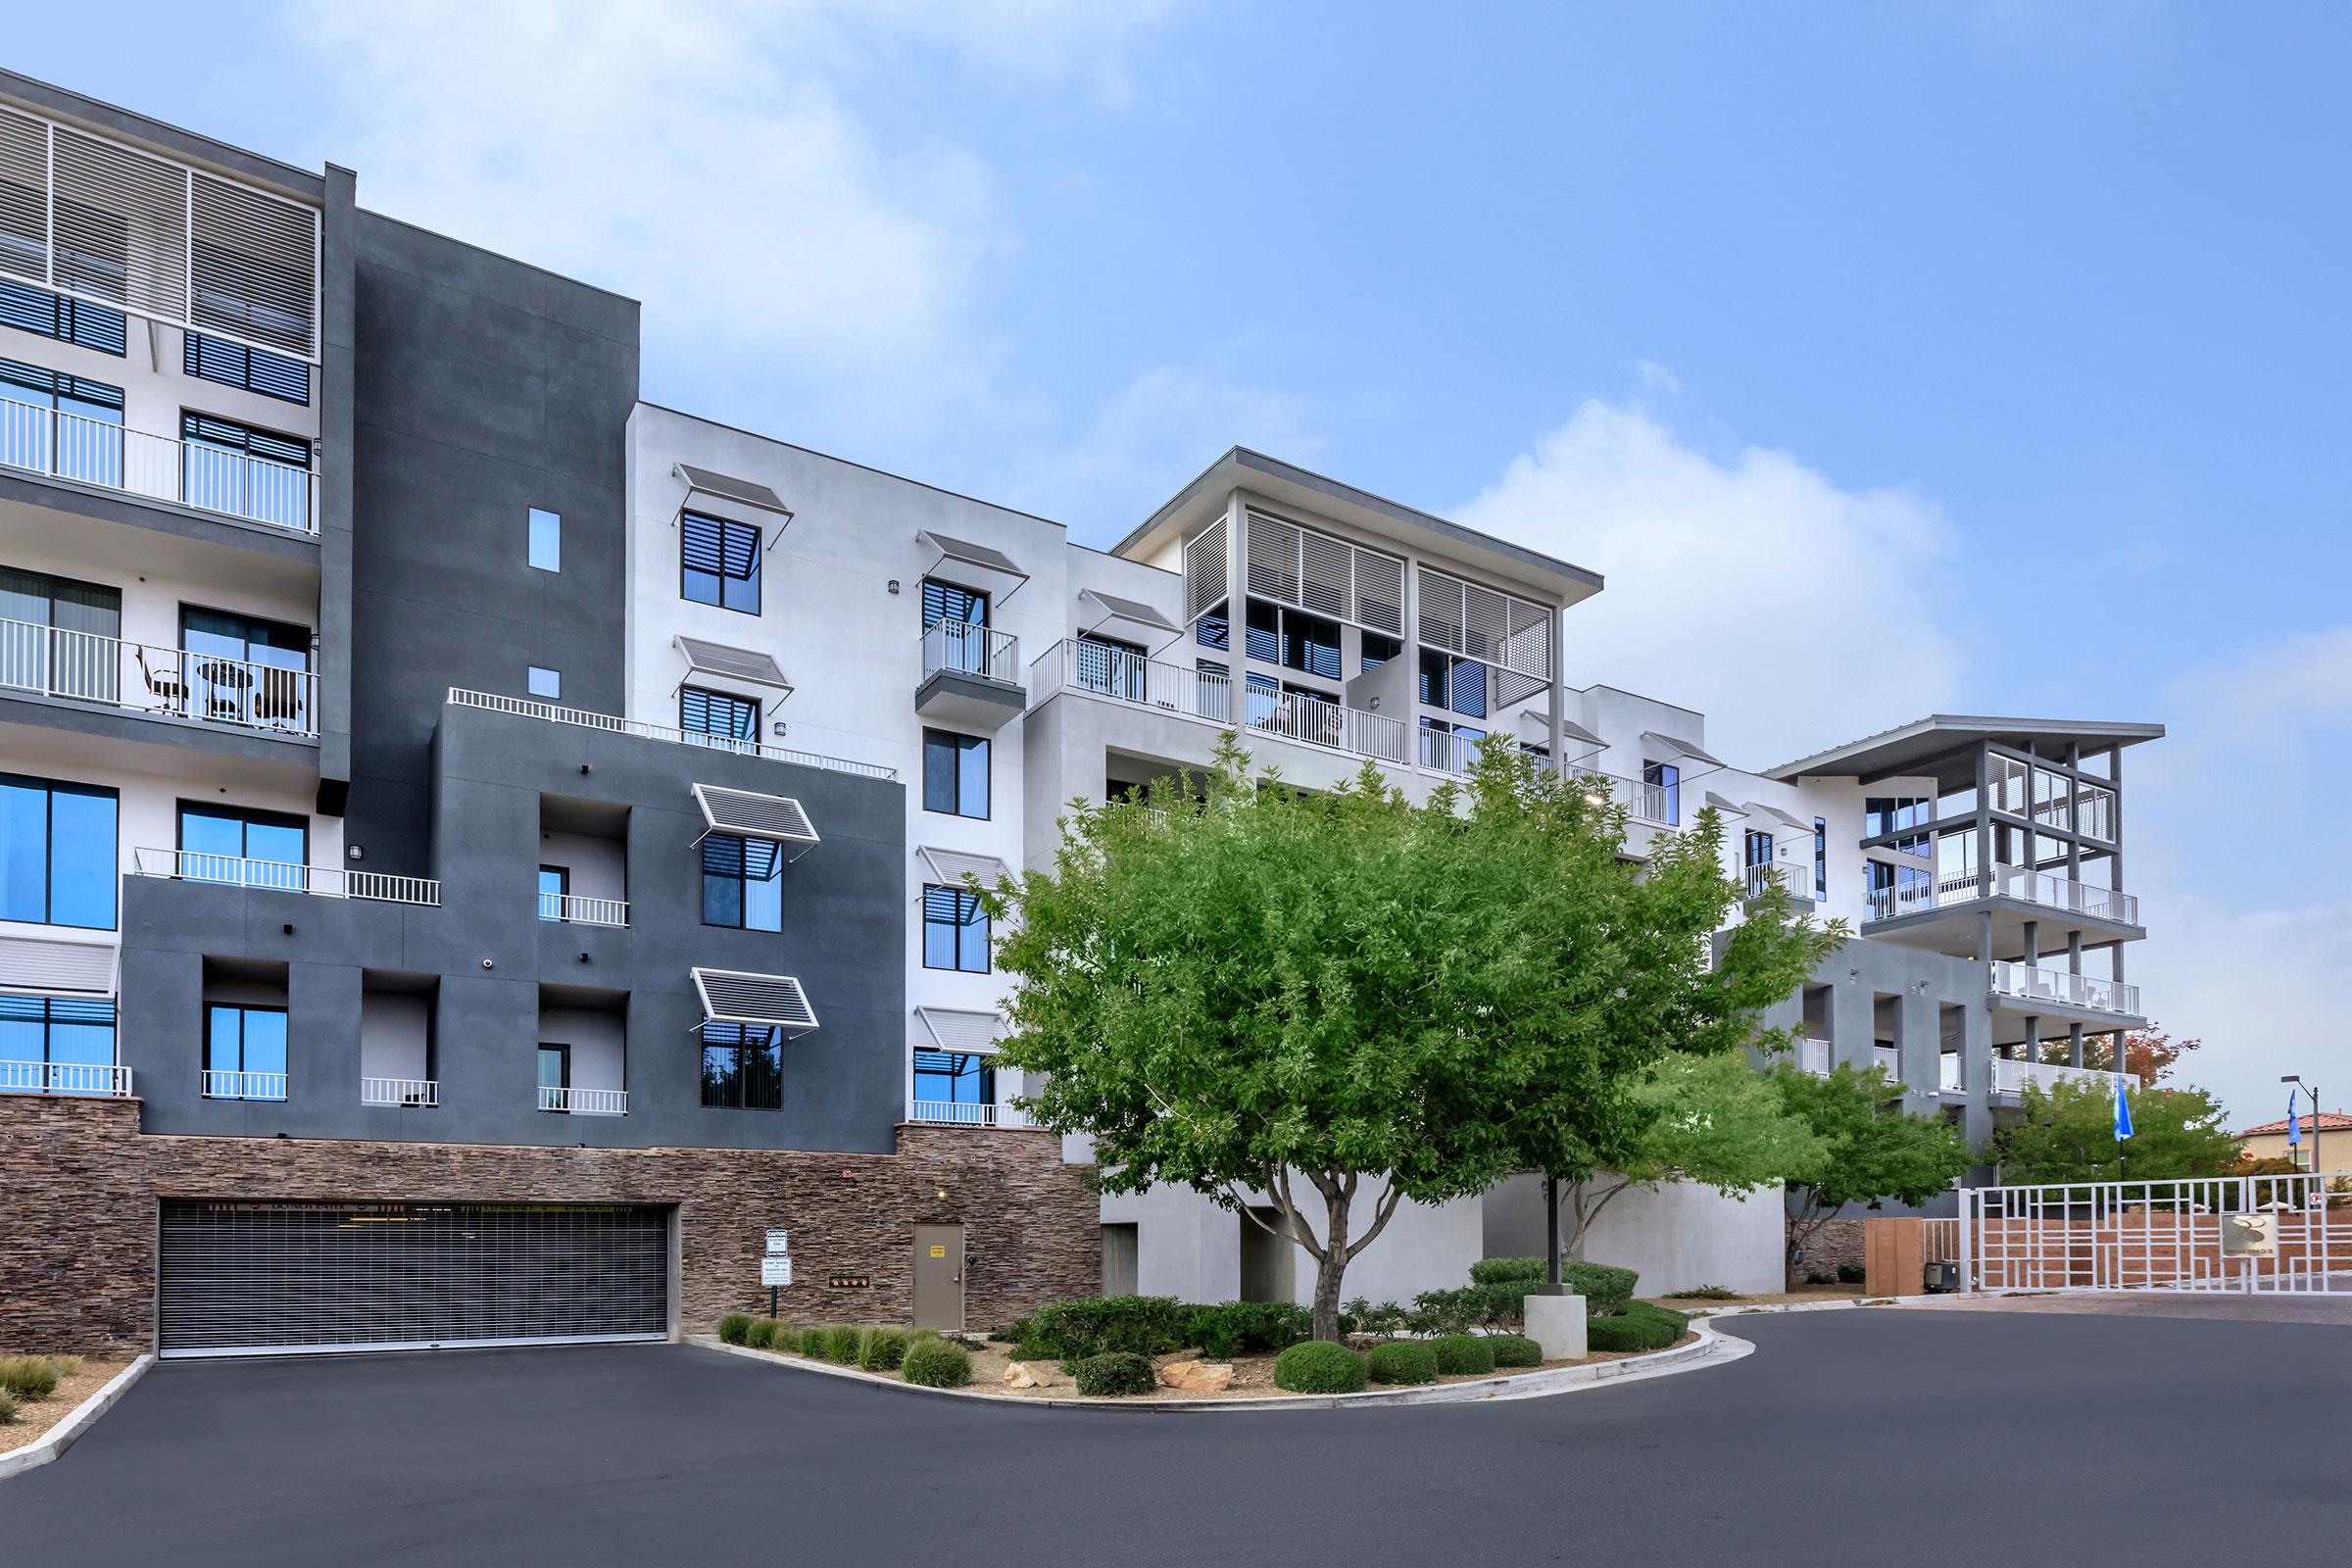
92 218
1502 629
1330 576
36 967
1204 584
777 819
949 867
958 1030
730 995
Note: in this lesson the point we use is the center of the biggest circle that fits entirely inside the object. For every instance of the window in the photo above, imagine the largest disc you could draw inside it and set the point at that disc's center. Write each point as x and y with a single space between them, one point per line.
546 682
1821 859
1216 689
954 930
955 773
554 1075
719 713
1667 779
244 1053
554 882
1894 814
719 562
1758 858
69 659
954 1078
229 467
254 849
1376 651
547 540
743 883
84 441
1111 666
1212 630
1451 683
743 1067
947 600
1292 638
273 375
61 317
58 1032
58 860
244 670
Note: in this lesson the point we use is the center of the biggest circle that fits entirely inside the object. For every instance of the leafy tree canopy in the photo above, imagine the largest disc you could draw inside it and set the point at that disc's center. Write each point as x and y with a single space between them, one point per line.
2068 1135
1871 1153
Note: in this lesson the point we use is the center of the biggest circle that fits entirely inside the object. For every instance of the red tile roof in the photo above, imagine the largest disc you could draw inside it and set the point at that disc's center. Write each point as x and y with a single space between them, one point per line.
2330 1121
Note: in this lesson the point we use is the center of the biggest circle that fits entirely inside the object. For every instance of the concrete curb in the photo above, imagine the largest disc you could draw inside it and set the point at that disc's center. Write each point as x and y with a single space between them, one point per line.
1712 1349
80 1420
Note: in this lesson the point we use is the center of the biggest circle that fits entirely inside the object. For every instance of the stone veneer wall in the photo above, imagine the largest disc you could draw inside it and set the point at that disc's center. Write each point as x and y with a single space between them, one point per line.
79 1190
1837 1241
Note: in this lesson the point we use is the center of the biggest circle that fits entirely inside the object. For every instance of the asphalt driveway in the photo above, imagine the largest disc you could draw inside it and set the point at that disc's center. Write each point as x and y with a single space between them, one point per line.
1854 1436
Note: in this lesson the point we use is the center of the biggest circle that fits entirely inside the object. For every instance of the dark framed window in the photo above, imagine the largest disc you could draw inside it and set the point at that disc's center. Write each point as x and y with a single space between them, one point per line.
244 1040
1821 859
58 862
255 848
273 375
743 1067
743 883
1668 780
58 1032
954 1078
718 563
1375 650
955 773
1114 667
1893 813
721 714
1212 629
1216 689
69 659
948 600
554 882
954 930
226 466
1457 684
83 441
555 1074
1295 638
245 670
61 317
232 435
1443 755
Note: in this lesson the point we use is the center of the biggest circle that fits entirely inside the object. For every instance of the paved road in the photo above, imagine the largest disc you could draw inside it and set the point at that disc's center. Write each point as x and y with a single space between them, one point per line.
1859 1437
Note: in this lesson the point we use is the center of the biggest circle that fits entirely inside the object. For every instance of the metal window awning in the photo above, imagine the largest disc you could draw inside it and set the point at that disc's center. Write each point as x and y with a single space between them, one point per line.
32 966
1682 748
1536 726
1098 610
1759 809
768 1001
777 819
742 500
956 1029
949 867
1734 807
992 569
746 665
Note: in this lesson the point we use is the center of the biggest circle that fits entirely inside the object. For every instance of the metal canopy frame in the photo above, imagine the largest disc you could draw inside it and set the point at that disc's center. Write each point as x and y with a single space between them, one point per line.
949 867
961 1029
749 814
979 558
1683 748
772 1000
728 491
1133 612
703 657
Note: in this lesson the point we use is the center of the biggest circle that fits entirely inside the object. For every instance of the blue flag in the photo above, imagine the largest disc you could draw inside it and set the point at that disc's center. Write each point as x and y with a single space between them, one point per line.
2122 1111
2295 1125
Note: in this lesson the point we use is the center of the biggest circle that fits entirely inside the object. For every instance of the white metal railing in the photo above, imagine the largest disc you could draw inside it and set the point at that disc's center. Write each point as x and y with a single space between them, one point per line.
1952 1073
1206 695
64 1078
1890 1057
244 1085
964 649
1811 1055
2187 1234
180 682
410 1092
958 1113
2027 983
555 714
283 876
2010 1075
584 1102
572 909
1916 895
1644 802
193 474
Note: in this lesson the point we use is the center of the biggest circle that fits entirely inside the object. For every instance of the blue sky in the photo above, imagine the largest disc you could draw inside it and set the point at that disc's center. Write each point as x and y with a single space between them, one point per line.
1888 357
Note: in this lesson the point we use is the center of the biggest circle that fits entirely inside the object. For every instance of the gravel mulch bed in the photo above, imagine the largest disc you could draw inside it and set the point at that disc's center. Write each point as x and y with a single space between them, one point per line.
35 1417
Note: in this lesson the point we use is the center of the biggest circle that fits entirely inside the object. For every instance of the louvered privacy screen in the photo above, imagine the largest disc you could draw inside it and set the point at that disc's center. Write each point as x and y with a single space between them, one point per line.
92 218
1481 624
42 968
949 867
730 995
750 815
1204 584
955 1029
1329 576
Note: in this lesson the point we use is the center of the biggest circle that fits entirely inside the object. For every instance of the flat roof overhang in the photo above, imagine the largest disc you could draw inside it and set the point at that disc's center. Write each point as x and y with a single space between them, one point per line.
1922 748
1952 927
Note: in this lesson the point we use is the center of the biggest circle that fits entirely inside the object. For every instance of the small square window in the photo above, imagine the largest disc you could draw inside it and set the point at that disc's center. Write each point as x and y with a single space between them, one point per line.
547 683
547 540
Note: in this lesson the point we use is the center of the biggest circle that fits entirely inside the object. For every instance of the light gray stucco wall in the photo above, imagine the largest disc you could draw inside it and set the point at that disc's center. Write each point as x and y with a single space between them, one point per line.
1677 1237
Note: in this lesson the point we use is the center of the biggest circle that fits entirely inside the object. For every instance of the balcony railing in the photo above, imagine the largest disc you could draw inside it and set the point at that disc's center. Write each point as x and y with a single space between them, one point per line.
1890 1057
1644 803
244 1085
192 474
584 1102
572 909
553 713
2026 983
1212 698
1811 1055
174 682
1951 1074
283 876
64 1078
2010 1076
1921 894
405 1092
960 648
958 1113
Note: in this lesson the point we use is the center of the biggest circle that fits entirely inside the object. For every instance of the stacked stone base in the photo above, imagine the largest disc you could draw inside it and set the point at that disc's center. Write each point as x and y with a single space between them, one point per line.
82 1188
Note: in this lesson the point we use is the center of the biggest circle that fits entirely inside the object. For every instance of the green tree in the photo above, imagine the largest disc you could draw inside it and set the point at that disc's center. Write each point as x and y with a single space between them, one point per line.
1871 1153
2068 1135
1342 1000
1715 1121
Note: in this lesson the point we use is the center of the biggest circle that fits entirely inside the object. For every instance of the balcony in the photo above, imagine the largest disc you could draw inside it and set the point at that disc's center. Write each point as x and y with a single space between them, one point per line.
1207 696
281 876
1951 1075
2010 1076
409 1093
244 1085
2015 984
584 1102
1811 1055
64 1078
962 1113
176 683
1890 1057
570 909
1925 895
744 746
972 675
73 447
1652 803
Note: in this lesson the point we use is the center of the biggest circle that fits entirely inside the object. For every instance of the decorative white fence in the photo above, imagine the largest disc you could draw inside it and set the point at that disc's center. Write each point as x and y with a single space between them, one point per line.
193 474
2288 1233
554 713
64 1078
964 649
572 909
584 1102
958 1113
244 1085
181 683
283 876
408 1092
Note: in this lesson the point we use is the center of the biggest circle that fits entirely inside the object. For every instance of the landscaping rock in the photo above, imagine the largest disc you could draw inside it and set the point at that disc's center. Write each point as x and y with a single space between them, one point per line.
1031 1373
1202 1376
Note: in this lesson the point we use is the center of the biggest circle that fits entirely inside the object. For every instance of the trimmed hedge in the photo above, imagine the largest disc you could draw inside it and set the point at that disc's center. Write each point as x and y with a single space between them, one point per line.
28 1377
935 1364
1460 1354
1234 1328
1504 1270
1094 1325
881 1349
1113 1374
1515 1351
1401 1361
1318 1366
1640 1327
733 1327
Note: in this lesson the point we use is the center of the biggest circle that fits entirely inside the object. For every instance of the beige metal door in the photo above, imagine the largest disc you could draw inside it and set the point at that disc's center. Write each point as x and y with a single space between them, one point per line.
939 1277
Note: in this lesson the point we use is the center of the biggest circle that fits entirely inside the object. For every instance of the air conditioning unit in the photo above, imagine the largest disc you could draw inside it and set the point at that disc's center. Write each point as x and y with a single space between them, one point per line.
1943 1277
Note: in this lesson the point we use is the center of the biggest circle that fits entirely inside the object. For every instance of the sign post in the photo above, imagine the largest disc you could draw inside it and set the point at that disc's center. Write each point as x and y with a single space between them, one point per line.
775 1267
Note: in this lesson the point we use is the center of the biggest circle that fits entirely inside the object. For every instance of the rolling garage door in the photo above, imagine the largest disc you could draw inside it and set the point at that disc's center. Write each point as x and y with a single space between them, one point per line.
278 1278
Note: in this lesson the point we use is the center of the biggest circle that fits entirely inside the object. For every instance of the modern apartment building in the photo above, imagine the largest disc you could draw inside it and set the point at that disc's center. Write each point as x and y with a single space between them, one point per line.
483 853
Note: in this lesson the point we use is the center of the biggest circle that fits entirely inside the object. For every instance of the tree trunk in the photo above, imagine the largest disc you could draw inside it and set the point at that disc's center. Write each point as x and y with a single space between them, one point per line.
1331 1267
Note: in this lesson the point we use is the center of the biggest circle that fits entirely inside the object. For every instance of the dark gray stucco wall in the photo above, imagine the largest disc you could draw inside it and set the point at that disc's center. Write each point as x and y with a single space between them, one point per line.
338 280
482 387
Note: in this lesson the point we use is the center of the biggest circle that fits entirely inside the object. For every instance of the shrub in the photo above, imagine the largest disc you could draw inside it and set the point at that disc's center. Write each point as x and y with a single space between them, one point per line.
841 1344
1605 1290
785 1337
1401 1361
761 1335
733 1326
1640 1327
1706 1293
8 1410
881 1349
66 1365
1458 1311
1458 1354
1112 1374
1360 1316
1503 1270
935 1364
1093 1325
28 1377
1012 1333
1318 1366
1851 1274
1225 1331
1515 1349
1819 1276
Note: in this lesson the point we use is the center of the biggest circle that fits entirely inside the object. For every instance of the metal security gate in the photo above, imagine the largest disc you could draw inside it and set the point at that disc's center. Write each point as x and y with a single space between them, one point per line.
2251 1234
256 1279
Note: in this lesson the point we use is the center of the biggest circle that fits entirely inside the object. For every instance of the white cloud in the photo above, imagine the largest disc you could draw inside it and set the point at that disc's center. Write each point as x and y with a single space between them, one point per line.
1655 377
1794 613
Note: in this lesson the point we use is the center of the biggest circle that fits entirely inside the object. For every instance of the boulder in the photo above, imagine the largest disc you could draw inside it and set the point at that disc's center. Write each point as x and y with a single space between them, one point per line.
1021 1375
1201 1376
